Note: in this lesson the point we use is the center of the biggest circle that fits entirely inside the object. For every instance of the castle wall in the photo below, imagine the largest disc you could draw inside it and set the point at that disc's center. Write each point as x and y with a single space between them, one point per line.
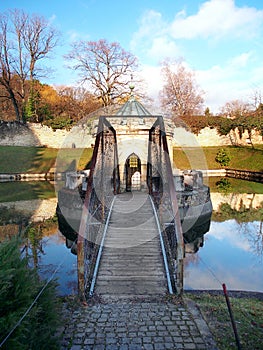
33 134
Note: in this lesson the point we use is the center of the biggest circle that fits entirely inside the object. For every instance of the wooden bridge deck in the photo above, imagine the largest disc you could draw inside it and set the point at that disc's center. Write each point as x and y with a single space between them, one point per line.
132 263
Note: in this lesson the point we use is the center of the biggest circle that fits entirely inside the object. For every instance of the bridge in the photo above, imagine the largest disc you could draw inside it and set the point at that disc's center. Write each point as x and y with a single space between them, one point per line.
130 240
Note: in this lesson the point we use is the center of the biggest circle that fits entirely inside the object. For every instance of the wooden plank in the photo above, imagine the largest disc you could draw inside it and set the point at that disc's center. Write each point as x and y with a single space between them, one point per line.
131 264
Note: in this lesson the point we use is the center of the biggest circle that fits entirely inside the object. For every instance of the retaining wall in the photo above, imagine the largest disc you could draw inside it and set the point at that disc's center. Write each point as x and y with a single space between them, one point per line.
33 134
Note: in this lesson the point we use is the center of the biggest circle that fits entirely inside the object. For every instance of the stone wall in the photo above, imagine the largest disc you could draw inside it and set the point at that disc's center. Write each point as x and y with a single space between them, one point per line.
210 137
32 134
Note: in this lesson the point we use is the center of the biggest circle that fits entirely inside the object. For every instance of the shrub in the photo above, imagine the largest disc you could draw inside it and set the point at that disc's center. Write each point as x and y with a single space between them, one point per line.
18 289
224 186
61 122
222 157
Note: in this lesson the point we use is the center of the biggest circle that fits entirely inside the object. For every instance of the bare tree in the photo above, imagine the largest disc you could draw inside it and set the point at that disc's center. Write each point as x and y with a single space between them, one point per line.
256 101
107 67
180 92
24 40
235 108
6 71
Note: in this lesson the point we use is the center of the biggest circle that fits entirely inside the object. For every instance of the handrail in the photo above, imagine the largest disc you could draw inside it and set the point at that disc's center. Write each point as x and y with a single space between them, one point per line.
102 184
95 273
166 267
162 190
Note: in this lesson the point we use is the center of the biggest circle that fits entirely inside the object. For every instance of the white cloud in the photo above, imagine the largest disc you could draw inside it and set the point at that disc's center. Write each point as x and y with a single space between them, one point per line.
241 61
230 68
163 47
52 19
152 38
229 231
233 80
217 18
152 77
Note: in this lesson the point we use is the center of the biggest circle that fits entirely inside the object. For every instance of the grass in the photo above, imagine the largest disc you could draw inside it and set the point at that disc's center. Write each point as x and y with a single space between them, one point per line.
40 159
16 159
248 314
245 158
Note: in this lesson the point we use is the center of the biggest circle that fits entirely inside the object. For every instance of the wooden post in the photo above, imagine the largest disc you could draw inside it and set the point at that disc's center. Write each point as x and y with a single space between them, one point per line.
81 268
180 276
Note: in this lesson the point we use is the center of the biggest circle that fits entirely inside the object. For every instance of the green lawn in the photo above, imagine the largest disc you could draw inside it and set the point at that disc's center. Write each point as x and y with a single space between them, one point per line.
241 157
40 159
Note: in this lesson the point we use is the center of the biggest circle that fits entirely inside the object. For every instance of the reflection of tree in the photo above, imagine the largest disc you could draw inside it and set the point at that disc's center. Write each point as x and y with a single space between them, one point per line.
249 220
244 214
34 237
253 232
12 216
224 186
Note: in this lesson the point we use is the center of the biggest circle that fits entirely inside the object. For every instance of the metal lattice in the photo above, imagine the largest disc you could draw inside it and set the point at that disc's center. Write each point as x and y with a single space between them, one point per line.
162 189
102 184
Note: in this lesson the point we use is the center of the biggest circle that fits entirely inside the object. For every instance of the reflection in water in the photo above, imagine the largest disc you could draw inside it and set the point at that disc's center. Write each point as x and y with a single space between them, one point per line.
43 243
231 252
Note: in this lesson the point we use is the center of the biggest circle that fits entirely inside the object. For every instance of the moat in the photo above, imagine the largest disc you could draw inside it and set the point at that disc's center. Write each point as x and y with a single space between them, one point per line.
230 252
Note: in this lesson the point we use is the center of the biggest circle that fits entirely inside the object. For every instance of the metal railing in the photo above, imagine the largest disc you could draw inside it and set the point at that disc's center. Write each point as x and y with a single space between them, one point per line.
102 184
162 190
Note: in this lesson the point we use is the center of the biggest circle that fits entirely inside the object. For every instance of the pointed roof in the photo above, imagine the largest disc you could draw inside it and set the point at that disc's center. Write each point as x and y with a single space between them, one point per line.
133 108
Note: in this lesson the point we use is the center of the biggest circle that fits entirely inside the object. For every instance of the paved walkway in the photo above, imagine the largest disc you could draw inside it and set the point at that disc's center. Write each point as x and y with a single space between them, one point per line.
135 324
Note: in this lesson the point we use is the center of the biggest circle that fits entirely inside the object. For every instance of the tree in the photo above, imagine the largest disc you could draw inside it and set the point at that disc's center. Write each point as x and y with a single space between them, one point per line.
222 157
20 285
235 108
24 40
256 99
180 92
107 67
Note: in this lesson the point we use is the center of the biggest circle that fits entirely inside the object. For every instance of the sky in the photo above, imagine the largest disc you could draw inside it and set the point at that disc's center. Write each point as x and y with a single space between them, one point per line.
220 40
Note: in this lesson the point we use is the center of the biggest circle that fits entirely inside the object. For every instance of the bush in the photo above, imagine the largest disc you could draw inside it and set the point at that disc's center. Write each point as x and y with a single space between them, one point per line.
222 157
224 186
61 122
19 287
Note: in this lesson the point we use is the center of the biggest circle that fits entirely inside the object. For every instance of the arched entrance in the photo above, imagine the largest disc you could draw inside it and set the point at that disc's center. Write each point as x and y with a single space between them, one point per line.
133 173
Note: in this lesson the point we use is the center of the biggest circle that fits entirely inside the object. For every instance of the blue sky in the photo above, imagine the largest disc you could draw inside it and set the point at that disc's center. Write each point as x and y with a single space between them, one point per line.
221 40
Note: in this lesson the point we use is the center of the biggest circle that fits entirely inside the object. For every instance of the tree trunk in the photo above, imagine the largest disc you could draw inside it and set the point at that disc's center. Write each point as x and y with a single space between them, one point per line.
15 105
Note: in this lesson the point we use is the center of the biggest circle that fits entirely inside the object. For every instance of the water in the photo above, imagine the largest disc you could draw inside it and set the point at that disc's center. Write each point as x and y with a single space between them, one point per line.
232 251
230 255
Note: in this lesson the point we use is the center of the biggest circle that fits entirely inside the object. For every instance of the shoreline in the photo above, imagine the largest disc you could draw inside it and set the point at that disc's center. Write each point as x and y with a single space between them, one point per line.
254 176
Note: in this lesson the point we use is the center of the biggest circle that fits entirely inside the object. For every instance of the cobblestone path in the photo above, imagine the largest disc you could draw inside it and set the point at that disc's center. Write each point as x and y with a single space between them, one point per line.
134 325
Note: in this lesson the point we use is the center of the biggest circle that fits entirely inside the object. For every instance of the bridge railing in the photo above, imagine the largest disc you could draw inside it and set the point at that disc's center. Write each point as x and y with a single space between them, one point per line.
102 184
162 190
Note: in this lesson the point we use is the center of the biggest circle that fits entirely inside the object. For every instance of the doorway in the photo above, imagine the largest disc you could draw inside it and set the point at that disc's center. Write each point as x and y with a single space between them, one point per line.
133 173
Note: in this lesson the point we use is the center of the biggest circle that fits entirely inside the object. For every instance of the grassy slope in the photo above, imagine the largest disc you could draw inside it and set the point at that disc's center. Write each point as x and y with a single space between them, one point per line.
241 157
248 313
40 160
37 160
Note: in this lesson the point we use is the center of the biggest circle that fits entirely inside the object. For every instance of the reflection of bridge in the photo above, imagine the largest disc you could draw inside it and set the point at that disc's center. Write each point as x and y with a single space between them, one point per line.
130 239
